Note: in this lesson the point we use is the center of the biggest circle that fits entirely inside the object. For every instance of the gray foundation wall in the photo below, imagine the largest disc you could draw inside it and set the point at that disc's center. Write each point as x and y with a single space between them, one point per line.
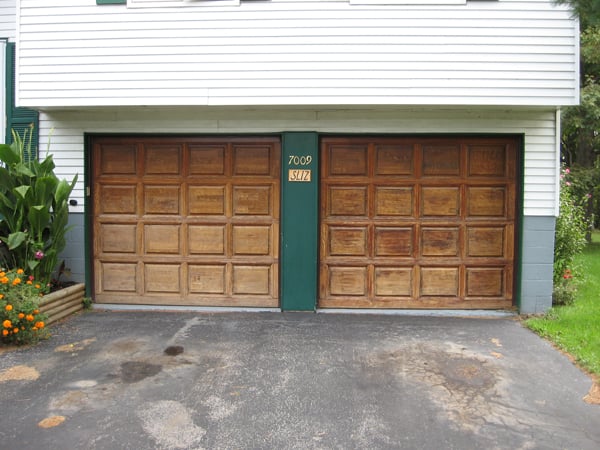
74 253
537 258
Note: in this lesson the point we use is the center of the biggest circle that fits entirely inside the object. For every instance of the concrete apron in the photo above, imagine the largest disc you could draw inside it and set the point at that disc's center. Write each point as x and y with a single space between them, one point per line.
146 379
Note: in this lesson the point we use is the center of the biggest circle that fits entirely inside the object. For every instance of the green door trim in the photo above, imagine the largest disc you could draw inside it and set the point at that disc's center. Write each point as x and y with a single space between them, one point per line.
299 221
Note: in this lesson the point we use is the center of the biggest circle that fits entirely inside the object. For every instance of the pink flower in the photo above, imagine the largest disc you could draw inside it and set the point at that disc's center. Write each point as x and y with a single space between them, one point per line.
568 183
39 254
567 170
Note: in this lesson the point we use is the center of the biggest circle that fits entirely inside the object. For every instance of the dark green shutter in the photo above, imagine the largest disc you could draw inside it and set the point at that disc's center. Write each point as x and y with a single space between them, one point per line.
19 119
111 2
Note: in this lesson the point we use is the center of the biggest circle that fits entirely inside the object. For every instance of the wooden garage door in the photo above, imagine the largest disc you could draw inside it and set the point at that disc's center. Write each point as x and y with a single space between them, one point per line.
417 223
186 221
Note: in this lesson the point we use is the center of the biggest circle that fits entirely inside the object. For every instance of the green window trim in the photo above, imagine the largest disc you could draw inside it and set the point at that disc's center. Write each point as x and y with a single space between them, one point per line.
111 2
17 118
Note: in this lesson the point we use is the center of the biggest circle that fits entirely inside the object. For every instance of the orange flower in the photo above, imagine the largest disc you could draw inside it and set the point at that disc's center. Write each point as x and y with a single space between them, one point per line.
34 328
1 296
29 318
20 271
16 281
39 324
15 330
37 286
7 324
4 332
2 274
8 307
4 280
36 311
21 315
29 282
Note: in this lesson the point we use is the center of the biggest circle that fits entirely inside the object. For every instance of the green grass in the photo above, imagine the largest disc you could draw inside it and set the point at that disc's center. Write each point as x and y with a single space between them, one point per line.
576 328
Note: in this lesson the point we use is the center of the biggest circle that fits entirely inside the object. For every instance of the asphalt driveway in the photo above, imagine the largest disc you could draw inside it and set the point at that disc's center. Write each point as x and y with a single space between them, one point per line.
150 380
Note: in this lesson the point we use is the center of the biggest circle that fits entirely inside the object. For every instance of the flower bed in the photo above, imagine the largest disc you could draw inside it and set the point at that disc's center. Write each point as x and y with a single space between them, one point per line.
62 303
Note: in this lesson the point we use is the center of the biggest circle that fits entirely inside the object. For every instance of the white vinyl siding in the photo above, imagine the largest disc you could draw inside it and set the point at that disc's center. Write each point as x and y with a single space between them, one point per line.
284 52
8 19
538 127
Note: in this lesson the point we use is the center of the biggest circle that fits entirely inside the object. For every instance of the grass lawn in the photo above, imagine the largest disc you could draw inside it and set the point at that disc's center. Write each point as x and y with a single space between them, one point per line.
576 328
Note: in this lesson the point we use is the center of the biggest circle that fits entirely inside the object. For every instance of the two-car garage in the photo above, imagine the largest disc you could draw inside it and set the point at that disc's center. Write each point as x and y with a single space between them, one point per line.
404 222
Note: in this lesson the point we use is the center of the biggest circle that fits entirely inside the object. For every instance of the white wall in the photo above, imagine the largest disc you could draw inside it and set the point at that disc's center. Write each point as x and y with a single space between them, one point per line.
8 19
297 52
538 126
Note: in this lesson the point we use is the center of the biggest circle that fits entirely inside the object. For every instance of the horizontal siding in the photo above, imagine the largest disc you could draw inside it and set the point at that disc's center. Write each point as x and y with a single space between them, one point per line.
538 126
508 52
8 19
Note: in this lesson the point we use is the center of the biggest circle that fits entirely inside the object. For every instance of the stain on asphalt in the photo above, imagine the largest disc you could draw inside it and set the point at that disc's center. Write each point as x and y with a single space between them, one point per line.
134 371
174 350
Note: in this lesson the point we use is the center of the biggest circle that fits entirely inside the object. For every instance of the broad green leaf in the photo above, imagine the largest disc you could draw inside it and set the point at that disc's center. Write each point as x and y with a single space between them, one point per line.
16 239
8 155
22 191
22 169
39 218
44 190
32 263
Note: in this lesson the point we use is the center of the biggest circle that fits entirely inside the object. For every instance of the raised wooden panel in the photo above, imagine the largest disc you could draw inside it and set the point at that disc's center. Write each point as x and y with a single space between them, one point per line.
161 200
207 279
393 241
117 199
440 201
348 201
485 282
348 160
487 161
394 201
118 277
441 160
485 241
118 159
251 240
186 220
252 200
436 219
207 160
206 239
117 238
206 200
251 280
440 241
251 160
163 239
162 278
486 201
393 282
163 159
348 241
348 281
439 281
394 159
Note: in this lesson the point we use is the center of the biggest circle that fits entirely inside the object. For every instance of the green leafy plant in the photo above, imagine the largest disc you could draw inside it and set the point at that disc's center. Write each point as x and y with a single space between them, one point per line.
569 240
21 321
34 210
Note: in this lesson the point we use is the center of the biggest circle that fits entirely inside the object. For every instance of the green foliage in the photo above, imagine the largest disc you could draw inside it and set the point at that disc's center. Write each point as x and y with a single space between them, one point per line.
34 210
21 321
576 328
569 240
588 11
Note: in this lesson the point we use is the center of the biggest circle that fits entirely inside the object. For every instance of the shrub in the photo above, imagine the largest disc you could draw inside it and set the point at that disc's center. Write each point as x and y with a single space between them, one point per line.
20 319
34 210
569 240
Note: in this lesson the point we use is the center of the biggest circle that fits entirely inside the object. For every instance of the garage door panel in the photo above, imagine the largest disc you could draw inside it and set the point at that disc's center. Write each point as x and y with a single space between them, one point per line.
487 160
487 201
163 159
206 200
394 282
117 199
162 200
207 239
440 241
118 159
162 239
348 201
440 201
438 219
394 201
394 241
441 160
189 221
117 238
